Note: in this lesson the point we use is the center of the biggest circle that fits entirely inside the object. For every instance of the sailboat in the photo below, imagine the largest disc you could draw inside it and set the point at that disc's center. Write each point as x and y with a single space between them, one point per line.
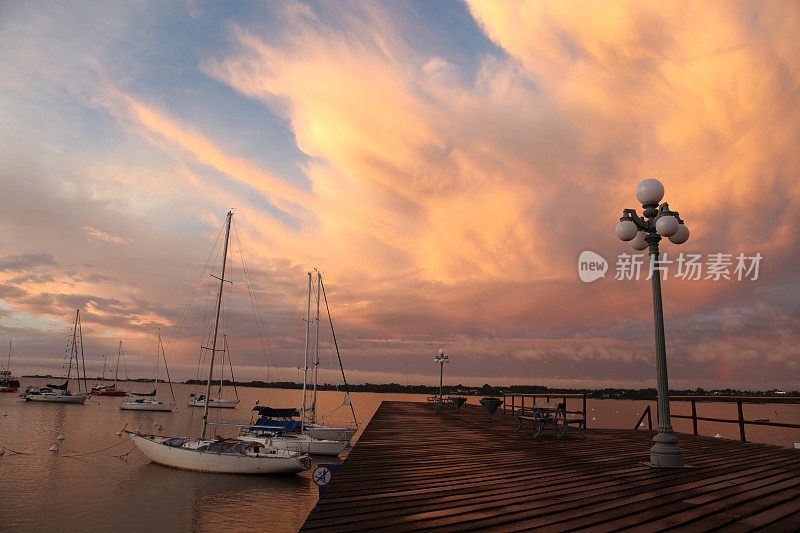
147 401
8 383
109 390
312 428
308 425
222 455
216 401
61 393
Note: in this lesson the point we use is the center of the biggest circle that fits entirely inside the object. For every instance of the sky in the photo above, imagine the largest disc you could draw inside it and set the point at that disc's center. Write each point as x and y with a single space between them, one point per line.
443 164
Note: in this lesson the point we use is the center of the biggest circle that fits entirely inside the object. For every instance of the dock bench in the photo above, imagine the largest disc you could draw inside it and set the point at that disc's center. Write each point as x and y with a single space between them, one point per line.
553 415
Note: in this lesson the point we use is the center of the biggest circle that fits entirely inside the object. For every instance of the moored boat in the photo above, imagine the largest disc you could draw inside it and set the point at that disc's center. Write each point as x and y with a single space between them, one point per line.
61 393
8 383
227 456
222 455
148 401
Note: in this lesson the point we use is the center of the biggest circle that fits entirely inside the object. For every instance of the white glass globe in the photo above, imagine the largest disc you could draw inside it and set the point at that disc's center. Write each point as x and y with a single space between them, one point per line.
638 243
667 225
680 236
649 191
626 230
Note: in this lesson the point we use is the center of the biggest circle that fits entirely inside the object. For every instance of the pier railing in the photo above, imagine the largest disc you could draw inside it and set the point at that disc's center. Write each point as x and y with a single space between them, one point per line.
517 401
739 400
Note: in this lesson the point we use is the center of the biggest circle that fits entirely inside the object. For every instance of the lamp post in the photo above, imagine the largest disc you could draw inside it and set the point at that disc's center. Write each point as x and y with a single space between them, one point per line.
643 232
441 358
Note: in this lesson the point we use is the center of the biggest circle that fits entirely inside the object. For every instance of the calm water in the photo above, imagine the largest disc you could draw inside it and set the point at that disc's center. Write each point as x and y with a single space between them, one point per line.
102 491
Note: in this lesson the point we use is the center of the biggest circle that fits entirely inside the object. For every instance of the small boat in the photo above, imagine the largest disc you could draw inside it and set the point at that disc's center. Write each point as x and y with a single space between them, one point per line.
213 403
61 393
147 401
8 383
49 394
222 455
109 390
215 400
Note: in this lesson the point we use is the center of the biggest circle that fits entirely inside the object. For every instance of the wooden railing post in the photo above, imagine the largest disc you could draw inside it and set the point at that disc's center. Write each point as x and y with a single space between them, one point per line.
694 417
741 421
512 404
585 418
649 419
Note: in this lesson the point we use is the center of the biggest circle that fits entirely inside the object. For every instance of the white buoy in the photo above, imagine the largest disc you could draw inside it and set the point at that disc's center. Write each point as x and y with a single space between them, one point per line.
54 448
4 413
60 437
119 433
717 436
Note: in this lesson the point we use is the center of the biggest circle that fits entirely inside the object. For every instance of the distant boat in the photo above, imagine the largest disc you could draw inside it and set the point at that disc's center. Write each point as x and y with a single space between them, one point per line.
61 393
8 383
222 455
109 390
147 401
215 400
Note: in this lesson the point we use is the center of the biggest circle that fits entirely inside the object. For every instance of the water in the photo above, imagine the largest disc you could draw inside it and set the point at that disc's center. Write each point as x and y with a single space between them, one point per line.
101 491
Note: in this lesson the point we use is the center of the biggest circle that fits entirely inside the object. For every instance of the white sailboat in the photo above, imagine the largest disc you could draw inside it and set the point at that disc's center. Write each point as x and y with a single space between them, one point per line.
277 423
148 401
232 455
312 428
216 401
110 390
61 393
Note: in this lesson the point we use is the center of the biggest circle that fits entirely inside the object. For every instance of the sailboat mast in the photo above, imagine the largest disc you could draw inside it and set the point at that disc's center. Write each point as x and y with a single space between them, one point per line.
73 349
316 355
8 367
116 370
83 361
305 365
158 347
216 324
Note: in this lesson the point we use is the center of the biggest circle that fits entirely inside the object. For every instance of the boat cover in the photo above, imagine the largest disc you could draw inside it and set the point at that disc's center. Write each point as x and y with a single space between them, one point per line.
278 413
145 393
59 387
276 425
230 446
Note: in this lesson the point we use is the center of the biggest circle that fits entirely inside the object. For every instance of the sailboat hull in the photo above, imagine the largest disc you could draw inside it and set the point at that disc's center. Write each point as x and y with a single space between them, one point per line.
329 433
274 462
218 404
146 406
302 444
56 398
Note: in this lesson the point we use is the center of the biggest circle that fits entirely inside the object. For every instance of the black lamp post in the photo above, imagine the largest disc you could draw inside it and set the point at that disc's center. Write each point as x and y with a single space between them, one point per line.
441 358
644 232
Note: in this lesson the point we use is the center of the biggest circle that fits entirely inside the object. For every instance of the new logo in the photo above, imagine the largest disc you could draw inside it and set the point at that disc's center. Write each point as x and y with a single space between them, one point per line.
591 266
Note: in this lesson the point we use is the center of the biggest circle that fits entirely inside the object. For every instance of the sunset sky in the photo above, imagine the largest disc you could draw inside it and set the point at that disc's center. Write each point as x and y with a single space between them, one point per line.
443 164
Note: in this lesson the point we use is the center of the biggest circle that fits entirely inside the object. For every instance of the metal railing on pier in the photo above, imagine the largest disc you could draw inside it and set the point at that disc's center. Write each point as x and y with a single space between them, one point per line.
741 421
517 401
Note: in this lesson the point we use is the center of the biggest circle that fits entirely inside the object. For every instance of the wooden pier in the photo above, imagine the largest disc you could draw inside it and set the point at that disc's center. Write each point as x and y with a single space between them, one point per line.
416 468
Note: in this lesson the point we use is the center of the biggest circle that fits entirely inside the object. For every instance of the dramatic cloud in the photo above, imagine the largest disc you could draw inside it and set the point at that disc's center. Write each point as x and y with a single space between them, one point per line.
443 164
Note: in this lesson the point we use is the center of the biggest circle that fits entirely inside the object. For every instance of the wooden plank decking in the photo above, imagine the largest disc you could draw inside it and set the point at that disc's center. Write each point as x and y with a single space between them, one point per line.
415 468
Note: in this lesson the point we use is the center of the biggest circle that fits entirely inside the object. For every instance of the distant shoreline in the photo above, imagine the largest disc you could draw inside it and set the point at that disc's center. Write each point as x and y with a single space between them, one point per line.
485 390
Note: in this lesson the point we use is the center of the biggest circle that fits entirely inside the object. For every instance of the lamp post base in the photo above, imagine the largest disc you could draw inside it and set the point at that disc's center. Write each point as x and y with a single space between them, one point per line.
665 452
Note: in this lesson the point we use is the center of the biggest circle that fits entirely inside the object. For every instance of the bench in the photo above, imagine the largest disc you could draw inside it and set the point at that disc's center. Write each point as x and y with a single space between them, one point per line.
554 415
453 403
